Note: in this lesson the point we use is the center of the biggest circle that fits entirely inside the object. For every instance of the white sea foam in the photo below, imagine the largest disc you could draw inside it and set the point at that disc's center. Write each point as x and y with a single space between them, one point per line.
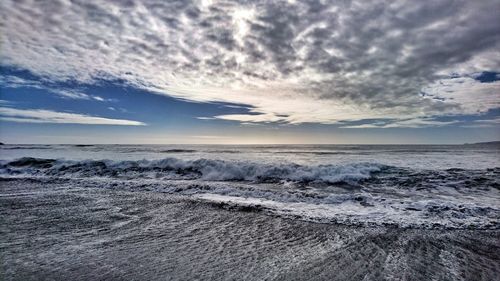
431 214
206 169
351 185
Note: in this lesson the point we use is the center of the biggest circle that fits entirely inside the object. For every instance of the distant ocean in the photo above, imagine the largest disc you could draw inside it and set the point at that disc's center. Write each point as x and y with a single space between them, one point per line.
417 186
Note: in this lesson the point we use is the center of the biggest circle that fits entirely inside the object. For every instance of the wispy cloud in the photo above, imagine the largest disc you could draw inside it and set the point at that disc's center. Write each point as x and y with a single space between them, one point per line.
290 61
489 121
10 81
409 123
249 118
484 123
48 116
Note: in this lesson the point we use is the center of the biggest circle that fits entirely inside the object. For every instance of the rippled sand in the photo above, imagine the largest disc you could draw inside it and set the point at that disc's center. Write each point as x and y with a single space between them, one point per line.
66 232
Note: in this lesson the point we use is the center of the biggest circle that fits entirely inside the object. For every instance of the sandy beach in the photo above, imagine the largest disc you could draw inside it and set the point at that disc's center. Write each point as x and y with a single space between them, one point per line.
60 231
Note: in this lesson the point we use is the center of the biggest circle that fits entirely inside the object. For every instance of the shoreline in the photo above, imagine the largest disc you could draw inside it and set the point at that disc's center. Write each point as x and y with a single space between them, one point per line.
55 232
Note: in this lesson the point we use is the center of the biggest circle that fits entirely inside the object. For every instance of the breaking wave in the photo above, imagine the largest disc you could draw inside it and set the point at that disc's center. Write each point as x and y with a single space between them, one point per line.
178 151
353 193
205 169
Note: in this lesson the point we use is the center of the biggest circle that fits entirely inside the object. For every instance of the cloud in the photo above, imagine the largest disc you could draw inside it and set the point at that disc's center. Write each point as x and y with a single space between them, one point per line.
290 61
409 123
48 116
11 81
489 121
484 123
469 95
249 118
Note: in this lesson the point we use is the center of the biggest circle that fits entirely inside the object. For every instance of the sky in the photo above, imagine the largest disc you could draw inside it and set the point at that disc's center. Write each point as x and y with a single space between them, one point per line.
249 72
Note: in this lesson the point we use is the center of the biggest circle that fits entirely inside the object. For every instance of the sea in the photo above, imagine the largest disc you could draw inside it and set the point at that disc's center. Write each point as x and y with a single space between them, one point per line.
402 186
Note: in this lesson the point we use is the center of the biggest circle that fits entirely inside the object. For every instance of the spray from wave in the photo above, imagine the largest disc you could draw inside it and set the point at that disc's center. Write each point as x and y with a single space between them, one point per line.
349 193
205 169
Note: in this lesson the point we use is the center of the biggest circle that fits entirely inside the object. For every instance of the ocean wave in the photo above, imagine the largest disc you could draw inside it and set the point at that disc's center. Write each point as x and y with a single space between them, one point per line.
430 214
177 151
25 147
312 152
397 206
223 151
32 162
205 169
356 193
354 175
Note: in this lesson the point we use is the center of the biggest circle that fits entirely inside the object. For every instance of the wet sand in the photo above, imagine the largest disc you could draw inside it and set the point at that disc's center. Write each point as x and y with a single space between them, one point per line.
68 232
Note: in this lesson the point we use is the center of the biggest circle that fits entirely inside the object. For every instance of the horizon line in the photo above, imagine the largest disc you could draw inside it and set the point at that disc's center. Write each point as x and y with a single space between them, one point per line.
249 144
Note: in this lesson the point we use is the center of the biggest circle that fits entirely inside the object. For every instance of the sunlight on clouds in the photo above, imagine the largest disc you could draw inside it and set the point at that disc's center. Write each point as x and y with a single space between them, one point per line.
289 61
241 17
465 92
